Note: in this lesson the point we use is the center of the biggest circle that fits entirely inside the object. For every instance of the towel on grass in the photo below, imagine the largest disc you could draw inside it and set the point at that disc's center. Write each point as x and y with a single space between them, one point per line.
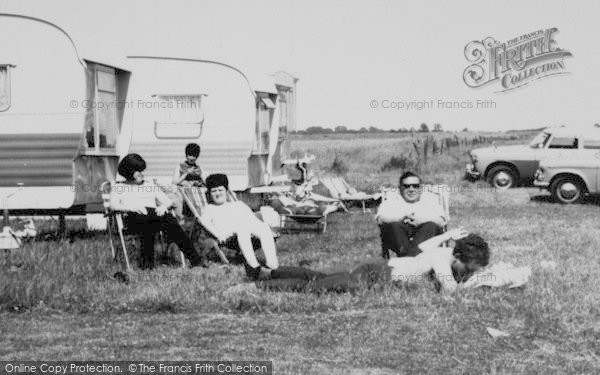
500 275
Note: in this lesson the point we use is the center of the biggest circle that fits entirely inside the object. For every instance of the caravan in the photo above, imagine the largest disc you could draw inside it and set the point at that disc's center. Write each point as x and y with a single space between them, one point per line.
241 130
60 121
66 119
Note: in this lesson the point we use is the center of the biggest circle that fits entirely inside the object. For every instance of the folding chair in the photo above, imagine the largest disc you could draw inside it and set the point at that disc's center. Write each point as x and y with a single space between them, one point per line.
115 218
340 189
318 221
195 200
441 192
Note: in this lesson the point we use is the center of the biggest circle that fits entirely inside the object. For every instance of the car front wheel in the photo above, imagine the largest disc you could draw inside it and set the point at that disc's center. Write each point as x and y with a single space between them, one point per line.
502 177
566 190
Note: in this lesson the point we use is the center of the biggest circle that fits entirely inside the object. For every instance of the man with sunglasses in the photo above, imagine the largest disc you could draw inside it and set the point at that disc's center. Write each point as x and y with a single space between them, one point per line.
409 220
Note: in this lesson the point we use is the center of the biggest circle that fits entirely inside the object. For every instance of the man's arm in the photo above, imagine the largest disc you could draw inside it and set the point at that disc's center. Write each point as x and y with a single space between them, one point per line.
428 210
390 212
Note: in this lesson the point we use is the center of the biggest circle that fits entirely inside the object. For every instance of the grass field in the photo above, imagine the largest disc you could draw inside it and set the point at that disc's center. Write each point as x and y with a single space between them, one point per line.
59 301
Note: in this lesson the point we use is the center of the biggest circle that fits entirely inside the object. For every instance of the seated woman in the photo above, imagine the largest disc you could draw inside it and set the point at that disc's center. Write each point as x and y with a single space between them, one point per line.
146 206
227 219
446 266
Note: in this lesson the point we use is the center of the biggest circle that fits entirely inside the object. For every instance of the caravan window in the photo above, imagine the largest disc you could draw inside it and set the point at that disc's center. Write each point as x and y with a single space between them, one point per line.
592 144
266 107
5 87
283 113
107 107
284 101
104 110
181 116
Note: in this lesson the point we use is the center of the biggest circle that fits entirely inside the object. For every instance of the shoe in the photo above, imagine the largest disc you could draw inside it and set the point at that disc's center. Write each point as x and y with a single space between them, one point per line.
264 274
253 273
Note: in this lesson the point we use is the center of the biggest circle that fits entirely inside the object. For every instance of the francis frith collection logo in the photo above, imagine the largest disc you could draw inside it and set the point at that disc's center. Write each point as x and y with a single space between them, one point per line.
515 63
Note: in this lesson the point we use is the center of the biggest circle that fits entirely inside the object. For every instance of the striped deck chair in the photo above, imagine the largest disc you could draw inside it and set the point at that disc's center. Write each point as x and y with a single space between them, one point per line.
115 222
340 189
195 199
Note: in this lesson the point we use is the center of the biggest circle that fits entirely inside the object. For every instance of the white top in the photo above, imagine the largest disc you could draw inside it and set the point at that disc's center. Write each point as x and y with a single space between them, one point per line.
229 217
146 195
392 210
415 269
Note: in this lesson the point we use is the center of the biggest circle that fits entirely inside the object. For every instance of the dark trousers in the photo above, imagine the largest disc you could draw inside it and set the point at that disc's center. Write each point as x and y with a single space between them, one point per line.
299 279
403 239
148 225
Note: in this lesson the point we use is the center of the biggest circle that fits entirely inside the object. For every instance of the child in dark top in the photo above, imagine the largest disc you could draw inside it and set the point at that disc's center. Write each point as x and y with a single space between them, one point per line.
187 174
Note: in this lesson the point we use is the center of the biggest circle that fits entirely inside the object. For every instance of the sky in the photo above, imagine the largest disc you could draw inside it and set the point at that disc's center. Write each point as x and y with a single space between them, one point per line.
360 63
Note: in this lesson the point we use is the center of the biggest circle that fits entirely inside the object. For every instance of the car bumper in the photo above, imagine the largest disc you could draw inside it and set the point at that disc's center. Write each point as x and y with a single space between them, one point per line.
541 184
471 172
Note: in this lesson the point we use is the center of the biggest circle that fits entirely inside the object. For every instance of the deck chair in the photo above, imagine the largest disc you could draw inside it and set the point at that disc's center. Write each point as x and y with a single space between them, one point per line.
340 189
115 223
195 199
441 191
317 221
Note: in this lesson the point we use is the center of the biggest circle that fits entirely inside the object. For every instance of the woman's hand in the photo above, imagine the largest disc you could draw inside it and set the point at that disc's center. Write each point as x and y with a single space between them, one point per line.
221 239
161 210
458 233
139 209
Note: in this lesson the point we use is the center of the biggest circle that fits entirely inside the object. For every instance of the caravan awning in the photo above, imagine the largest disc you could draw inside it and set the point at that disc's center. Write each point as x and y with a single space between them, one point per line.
268 103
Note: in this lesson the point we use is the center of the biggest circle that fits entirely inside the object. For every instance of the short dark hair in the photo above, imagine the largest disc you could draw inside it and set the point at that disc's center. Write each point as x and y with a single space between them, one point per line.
408 174
192 149
130 164
472 248
216 180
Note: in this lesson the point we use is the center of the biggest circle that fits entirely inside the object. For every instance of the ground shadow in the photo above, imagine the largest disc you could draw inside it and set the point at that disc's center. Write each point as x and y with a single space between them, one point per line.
593 200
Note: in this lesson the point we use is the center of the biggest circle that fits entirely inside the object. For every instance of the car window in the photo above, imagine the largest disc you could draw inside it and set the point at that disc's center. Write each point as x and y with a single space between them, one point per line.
591 144
540 140
564 142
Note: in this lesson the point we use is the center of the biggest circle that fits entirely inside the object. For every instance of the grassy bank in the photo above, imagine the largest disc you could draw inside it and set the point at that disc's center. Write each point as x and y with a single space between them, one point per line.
59 300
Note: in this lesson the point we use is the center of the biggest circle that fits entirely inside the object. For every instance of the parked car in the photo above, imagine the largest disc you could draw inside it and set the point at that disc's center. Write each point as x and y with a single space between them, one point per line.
570 179
508 166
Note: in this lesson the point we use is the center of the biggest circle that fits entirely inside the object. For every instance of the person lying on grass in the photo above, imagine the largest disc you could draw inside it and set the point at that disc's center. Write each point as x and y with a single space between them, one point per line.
225 219
446 266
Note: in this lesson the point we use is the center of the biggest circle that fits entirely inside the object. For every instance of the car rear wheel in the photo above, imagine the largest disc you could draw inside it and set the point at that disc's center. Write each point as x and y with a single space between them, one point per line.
502 177
566 190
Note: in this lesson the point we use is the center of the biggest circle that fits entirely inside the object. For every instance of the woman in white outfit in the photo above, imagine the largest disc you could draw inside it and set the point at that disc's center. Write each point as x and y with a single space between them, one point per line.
226 219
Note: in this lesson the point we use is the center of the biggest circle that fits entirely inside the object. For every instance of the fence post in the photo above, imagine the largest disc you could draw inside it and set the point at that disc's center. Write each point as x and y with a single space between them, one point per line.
418 152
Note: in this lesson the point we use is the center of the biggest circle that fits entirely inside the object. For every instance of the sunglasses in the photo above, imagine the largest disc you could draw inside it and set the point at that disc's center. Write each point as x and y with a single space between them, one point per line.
414 186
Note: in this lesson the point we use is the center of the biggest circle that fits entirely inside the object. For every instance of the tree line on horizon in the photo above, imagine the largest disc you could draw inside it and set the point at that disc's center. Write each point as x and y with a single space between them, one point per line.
423 128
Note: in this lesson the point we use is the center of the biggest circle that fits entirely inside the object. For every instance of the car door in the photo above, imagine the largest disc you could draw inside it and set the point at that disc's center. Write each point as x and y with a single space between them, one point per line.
557 147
